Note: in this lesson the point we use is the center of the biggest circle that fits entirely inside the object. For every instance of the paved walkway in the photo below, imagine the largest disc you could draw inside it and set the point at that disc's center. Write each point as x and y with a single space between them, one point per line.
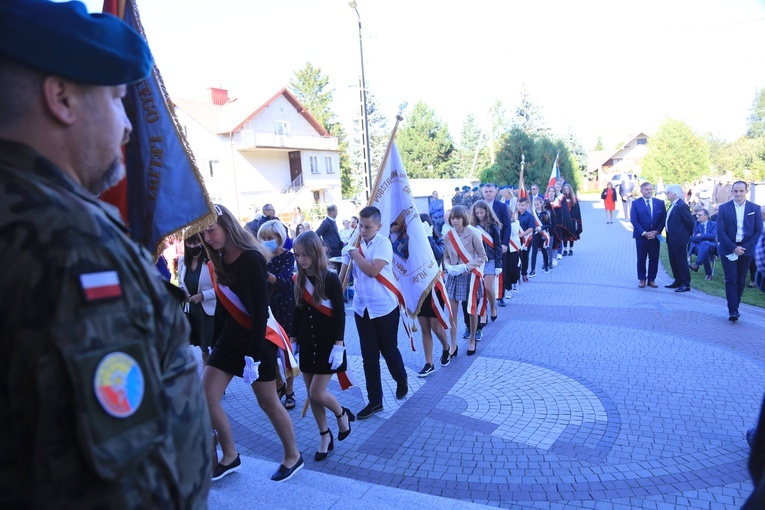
588 392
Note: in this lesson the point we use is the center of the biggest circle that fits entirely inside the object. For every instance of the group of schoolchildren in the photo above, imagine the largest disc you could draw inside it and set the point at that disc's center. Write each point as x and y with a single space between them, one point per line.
477 249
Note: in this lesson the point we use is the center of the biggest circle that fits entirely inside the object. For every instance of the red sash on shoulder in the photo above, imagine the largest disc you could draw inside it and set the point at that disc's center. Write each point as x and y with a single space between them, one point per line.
399 297
544 233
274 331
475 304
346 378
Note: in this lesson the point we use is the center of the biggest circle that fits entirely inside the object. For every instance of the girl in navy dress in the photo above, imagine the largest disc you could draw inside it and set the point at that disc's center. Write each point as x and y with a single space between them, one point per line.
318 326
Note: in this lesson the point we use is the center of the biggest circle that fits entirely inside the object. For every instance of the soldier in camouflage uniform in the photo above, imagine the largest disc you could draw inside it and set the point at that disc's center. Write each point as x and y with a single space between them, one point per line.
100 402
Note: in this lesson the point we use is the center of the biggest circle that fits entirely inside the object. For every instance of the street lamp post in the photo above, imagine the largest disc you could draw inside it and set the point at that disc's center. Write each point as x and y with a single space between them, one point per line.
365 126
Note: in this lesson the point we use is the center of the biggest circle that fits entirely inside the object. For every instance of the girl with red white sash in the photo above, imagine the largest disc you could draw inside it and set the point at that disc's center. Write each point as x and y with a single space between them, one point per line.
485 219
512 262
239 344
318 326
541 236
464 257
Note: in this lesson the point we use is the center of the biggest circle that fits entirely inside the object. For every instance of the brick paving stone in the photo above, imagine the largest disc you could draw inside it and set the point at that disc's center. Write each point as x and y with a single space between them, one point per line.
587 392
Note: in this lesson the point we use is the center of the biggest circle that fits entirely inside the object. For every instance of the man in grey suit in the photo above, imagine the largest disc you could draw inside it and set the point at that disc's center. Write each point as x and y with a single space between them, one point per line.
739 226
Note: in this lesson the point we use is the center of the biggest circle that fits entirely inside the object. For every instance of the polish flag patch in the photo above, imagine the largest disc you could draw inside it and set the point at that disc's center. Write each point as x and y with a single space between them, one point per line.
101 285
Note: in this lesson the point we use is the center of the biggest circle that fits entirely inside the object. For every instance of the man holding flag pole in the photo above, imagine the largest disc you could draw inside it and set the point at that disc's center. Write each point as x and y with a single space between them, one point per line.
394 269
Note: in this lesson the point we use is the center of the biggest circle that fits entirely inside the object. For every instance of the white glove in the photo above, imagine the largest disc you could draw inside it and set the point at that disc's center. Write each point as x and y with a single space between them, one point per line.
250 374
347 249
336 356
497 271
455 270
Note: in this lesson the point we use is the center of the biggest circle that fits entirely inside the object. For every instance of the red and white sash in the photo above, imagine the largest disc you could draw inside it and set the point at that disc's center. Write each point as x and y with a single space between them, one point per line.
399 297
440 303
324 307
475 305
545 235
274 331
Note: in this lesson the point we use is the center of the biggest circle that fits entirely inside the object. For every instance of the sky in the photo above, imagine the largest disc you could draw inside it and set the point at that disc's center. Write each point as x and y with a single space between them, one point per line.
606 68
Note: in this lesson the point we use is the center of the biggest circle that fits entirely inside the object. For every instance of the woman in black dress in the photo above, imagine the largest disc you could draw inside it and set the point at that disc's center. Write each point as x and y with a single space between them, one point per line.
239 345
318 326
195 279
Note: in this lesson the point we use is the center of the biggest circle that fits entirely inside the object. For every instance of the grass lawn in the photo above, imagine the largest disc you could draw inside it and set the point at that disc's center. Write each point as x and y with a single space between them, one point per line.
715 286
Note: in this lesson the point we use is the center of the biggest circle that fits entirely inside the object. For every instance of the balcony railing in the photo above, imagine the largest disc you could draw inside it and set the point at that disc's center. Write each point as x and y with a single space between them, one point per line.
251 139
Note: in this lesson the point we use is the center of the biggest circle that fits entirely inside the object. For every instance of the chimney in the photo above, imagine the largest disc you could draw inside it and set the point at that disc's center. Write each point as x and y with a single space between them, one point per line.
218 96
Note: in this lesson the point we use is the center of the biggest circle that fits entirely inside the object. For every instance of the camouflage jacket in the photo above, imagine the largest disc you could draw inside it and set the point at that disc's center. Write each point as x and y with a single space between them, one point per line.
100 400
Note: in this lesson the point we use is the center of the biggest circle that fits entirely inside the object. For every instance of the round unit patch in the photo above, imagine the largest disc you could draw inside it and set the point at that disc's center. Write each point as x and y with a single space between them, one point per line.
119 384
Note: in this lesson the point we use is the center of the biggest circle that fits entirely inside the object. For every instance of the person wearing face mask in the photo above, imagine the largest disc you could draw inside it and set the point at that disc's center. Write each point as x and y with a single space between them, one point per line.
281 292
194 279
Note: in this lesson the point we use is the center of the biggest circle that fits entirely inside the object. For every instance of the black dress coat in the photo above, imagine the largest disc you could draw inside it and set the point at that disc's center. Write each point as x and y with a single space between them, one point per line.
317 333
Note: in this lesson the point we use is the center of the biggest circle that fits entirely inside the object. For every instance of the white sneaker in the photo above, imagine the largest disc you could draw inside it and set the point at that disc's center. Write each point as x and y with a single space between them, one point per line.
555 262
560 257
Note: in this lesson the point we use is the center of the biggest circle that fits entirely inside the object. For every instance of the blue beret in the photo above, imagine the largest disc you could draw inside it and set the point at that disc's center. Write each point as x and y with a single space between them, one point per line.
64 40
475 188
457 188
465 188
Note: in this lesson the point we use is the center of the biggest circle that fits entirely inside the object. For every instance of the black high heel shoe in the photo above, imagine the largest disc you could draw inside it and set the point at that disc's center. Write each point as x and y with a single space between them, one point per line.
323 455
340 434
469 352
456 350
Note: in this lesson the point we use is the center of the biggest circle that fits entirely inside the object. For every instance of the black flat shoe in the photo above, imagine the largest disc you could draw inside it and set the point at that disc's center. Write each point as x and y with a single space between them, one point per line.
470 353
493 318
323 455
284 473
221 470
340 434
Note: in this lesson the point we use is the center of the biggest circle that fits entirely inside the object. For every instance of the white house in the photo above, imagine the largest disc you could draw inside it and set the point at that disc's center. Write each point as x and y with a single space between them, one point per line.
627 159
248 156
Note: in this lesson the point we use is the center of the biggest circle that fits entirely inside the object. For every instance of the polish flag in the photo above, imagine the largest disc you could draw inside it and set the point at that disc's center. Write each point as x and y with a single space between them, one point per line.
102 285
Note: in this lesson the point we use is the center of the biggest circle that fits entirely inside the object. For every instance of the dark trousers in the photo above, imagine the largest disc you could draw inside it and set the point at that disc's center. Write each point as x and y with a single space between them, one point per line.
524 262
704 251
466 317
537 244
647 249
735 279
678 261
379 336
510 269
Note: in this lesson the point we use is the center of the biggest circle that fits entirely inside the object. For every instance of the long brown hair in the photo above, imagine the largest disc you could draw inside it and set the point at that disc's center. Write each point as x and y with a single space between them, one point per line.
238 237
489 219
314 249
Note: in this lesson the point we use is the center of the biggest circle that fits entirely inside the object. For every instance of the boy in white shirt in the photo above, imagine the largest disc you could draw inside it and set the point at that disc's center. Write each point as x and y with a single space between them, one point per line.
376 309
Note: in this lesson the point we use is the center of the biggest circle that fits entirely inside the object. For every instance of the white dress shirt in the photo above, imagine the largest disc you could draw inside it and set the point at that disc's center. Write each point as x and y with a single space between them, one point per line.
370 294
740 209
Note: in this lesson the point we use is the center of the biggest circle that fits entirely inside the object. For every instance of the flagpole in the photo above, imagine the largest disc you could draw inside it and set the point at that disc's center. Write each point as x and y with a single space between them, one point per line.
345 270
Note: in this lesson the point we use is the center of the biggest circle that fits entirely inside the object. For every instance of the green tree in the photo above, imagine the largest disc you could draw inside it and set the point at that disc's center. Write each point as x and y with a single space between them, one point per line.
539 151
528 115
378 139
472 153
425 144
744 158
599 144
676 154
756 128
309 85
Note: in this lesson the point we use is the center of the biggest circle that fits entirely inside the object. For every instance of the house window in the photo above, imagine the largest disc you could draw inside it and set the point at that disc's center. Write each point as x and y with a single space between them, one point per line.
328 164
314 161
282 127
642 141
212 163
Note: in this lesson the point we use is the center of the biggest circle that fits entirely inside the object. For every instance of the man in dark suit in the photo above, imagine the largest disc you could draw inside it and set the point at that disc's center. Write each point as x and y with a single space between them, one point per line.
739 226
703 242
329 234
502 212
647 216
678 227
